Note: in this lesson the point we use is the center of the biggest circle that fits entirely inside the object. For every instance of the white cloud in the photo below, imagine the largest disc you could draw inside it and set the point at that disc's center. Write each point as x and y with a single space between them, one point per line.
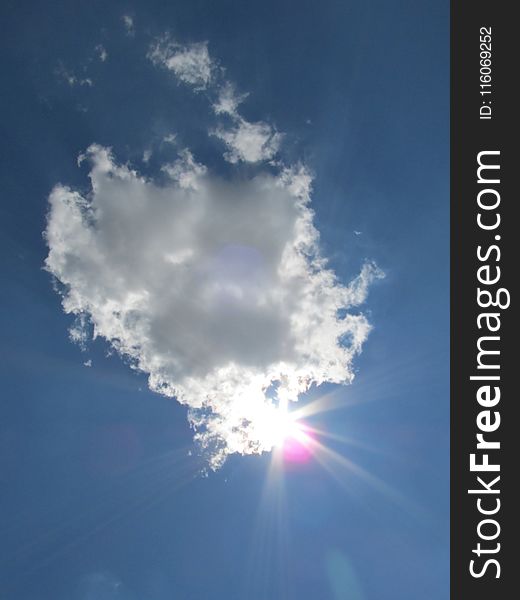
214 287
228 100
190 63
101 52
245 141
128 22
171 138
249 142
185 171
147 155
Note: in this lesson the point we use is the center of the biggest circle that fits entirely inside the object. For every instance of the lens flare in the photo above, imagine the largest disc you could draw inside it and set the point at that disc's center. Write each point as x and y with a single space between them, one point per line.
297 447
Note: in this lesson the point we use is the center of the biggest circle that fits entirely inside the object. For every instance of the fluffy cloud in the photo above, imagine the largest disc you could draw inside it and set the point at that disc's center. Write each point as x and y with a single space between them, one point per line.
214 287
249 142
190 63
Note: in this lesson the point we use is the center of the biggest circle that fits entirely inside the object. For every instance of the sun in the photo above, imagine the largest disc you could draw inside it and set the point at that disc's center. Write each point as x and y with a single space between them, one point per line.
275 424
284 426
288 437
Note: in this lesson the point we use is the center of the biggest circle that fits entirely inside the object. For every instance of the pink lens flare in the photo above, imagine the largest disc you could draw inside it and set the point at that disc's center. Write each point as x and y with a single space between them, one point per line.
297 447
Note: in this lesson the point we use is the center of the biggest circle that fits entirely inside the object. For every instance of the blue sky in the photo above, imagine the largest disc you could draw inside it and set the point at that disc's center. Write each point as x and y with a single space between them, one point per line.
101 499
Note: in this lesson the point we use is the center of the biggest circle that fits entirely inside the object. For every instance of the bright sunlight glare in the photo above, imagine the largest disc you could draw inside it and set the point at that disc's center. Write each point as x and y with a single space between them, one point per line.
288 434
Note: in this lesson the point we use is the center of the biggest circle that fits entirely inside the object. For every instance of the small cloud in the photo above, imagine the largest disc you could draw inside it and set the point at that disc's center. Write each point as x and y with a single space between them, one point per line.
245 141
359 286
88 363
128 22
171 138
249 142
71 78
190 63
67 76
101 52
357 232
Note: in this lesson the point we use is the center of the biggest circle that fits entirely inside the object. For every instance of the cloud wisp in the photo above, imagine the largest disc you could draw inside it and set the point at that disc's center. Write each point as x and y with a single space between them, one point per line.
128 23
214 287
245 141
190 63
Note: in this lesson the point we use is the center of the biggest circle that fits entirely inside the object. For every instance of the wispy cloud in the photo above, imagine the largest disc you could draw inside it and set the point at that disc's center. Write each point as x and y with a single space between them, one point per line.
128 23
72 78
228 100
190 63
101 52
